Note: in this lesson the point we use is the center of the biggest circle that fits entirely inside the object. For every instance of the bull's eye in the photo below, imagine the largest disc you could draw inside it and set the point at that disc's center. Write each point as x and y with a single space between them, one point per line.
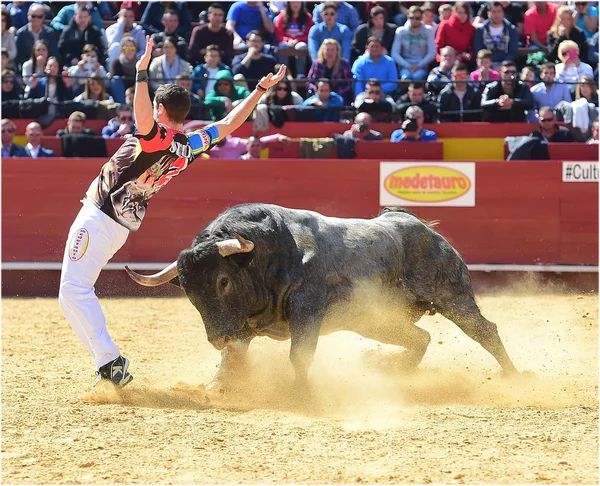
223 284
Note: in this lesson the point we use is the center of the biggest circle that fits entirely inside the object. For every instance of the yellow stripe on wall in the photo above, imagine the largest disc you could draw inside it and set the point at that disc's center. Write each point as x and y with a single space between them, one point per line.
479 149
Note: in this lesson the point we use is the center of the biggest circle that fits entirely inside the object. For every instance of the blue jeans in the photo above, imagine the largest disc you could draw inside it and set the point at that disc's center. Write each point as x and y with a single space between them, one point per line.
117 88
418 75
300 60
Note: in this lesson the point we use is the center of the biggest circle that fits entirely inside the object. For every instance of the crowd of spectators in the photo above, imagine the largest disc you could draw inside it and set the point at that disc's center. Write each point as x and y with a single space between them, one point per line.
412 62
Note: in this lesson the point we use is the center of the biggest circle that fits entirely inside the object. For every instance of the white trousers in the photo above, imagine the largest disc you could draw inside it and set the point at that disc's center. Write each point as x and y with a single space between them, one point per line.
93 239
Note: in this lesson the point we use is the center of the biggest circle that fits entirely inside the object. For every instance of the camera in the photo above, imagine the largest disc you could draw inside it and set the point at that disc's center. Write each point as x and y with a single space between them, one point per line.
363 127
412 125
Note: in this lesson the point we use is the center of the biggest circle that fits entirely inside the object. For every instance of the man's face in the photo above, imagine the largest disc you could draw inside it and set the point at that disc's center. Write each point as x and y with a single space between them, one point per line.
416 95
170 22
509 75
35 15
581 7
212 58
323 91
33 132
428 17
415 19
256 42
82 19
75 126
375 49
496 14
448 58
8 83
373 92
128 18
420 119
224 87
329 16
254 147
378 21
546 120
186 83
547 75
125 117
460 79
595 130
7 134
215 16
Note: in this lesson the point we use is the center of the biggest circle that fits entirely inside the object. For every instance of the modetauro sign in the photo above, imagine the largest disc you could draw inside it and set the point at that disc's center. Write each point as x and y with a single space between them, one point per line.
427 184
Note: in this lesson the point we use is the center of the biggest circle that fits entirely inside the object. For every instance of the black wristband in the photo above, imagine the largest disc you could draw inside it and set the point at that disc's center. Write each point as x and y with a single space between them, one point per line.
141 76
261 89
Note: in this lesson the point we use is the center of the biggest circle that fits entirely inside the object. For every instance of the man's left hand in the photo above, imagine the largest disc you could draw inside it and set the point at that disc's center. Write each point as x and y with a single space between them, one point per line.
272 79
144 61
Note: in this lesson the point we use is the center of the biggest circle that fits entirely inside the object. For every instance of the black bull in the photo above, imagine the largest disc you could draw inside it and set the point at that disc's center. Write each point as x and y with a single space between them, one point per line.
265 270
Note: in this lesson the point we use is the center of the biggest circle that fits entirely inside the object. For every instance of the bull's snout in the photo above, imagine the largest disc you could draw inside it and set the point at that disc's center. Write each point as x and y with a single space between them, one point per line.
220 342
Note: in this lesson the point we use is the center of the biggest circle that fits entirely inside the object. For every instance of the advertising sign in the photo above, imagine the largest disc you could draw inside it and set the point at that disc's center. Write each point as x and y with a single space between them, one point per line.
580 171
427 184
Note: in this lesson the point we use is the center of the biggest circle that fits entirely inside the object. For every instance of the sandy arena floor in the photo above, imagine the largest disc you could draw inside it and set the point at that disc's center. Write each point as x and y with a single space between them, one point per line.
454 421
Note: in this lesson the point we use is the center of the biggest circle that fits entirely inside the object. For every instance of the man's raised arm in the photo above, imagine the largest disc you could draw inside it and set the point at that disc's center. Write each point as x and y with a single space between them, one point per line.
142 106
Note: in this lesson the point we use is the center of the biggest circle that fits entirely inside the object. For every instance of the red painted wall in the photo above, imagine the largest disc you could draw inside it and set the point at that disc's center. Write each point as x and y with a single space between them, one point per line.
524 213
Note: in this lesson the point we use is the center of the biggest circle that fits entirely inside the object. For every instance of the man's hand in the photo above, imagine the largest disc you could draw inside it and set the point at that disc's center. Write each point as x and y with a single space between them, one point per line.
272 79
124 129
67 78
316 102
562 30
33 81
413 68
283 139
144 61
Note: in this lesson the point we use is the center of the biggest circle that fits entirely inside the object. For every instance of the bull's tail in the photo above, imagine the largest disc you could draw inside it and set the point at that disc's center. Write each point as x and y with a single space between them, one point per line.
388 209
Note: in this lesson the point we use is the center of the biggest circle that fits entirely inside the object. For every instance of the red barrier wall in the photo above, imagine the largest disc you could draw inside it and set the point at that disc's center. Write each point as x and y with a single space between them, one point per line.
524 213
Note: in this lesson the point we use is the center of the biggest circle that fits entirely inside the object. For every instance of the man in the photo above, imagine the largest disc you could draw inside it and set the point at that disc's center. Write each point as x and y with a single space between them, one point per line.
185 80
594 138
244 17
253 148
64 17
414 47
460 101
508 99
416 97
330 28
75 125
122 125
33 31
513 12
324 98
538 20
153 13
440 76
234 147
374 64
170 21
115 204
346 15
78 34
205 75
34 148
361 129
586 18
124 26
213 32
549 130
225 95
9 149
372 101
253 65
412 128
548 92
497 35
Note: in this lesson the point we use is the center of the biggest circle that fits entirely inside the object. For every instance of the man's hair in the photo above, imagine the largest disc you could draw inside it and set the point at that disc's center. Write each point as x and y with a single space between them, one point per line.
485 54
324 81
494 4
77 116
125 9
374 39
175 99
416 86
377 10
506 64
411 110
428 7
89 48
10 123
181 76
84 8
461 66
170 11
255 32
415 8
374 82
446 7
548 65
546 108
213 47
332 5
449 49
131 90
123 107
215 6
4 51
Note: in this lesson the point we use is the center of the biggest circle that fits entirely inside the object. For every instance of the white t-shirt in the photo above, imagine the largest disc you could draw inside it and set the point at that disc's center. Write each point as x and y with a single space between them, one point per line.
496 33
210 82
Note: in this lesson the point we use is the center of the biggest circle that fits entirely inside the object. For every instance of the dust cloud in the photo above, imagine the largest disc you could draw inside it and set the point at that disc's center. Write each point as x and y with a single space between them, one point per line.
551 335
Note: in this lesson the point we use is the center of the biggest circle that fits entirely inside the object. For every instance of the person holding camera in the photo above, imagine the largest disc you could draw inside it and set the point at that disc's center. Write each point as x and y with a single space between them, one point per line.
121 126
361 129
412 128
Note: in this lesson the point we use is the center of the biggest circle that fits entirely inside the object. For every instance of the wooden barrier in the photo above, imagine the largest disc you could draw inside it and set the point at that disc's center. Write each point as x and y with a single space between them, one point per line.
569 151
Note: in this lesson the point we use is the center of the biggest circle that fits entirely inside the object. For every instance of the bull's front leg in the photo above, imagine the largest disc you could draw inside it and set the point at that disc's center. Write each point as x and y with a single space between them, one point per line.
232 367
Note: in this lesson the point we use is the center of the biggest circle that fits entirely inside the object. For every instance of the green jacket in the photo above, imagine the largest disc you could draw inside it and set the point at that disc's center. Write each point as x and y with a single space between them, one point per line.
216 102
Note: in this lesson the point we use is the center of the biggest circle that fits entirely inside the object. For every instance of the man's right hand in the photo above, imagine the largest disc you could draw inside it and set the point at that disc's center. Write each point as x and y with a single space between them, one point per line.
144 61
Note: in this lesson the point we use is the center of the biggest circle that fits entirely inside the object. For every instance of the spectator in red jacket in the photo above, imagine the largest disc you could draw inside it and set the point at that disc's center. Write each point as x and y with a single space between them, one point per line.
291 30
458 32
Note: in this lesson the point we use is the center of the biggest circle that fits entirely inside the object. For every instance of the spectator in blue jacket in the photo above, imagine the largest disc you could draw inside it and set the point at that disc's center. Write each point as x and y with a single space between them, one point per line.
548 92
152 18
65 15
121 125
329 29
497 35
34 148
346 15
324 99
412 128
244 17
374 64
205 74
31 32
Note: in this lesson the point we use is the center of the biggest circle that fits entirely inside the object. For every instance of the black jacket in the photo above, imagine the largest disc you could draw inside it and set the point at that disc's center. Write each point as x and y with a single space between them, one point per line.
562 135
24 42
522 100
363 32
430 108
449 102
576 36
72 40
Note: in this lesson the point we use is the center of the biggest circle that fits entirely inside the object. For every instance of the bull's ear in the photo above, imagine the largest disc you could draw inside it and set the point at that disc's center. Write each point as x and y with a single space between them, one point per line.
242 260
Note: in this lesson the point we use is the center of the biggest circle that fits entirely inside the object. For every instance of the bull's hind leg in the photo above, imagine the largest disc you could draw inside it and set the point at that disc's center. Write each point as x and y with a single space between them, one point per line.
465 313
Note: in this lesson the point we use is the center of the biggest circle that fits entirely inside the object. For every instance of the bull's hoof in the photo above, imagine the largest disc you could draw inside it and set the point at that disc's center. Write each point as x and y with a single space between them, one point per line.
216 389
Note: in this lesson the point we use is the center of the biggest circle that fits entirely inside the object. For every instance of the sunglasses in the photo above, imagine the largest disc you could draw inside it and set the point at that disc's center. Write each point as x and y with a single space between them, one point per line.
37 16
374 92
8 81
545 120
510 72
8 130
461 76
282 88
128 48
126 118
414 18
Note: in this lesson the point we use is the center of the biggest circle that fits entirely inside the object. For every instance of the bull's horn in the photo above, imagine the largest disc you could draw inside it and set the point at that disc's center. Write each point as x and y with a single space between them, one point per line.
155 280
237 245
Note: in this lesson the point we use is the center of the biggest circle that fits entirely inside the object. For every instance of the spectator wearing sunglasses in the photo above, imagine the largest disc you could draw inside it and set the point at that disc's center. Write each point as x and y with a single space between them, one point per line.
9 149
122 125
11 90
508 99
548 129
373 100
33 31
281 95
459 101
346 14
330 28
586 18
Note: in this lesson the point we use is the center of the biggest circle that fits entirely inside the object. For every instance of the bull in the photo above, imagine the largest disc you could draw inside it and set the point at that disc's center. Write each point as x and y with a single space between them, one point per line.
265 270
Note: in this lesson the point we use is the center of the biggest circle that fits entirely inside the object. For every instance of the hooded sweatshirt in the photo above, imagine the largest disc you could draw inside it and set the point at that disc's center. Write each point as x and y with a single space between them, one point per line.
454 33
216 101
